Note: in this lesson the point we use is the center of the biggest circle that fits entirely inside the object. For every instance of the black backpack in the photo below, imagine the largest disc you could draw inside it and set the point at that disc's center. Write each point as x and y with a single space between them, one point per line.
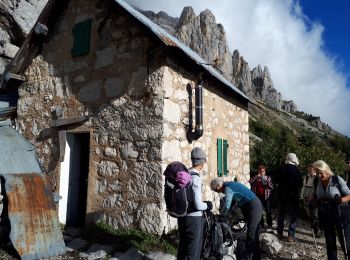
217 237
342 210
179 199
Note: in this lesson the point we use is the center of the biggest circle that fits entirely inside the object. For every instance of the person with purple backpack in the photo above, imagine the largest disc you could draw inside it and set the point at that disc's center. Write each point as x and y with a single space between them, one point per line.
191 226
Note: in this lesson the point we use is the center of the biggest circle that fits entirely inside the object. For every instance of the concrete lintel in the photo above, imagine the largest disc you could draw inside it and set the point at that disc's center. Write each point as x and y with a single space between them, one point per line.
68 121
10 75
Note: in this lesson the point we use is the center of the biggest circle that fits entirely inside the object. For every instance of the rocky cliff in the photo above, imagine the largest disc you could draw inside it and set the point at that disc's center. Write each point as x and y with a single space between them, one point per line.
205 36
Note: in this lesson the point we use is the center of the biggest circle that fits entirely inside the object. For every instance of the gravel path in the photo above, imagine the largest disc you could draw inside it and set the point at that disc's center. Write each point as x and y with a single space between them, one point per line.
304 247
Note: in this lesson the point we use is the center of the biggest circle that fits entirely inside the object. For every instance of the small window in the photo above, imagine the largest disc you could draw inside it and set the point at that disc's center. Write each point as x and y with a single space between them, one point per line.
222 155
81 38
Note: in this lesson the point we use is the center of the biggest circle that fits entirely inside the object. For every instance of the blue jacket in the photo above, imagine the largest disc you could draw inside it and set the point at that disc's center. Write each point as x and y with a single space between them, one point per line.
236 193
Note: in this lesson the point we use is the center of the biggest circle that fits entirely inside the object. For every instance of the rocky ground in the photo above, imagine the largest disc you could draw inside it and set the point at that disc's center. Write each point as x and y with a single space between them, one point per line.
80 247
303 248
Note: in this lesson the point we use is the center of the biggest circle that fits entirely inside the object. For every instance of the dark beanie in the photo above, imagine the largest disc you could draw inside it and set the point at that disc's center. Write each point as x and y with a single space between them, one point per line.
198 156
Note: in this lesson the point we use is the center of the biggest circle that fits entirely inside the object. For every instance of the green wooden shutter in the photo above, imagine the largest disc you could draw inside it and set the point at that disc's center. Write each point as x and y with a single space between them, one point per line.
225 155
81 38
219 154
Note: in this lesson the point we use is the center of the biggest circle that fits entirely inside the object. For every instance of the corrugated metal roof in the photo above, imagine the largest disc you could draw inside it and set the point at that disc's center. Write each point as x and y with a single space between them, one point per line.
35 230
170 40
17 155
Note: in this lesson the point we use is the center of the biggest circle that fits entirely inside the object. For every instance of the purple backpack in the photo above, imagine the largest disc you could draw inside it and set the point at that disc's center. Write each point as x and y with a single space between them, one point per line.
178 193
183 178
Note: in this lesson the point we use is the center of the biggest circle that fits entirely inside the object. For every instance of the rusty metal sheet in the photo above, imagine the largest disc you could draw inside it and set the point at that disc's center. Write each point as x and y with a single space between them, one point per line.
35 230
17 155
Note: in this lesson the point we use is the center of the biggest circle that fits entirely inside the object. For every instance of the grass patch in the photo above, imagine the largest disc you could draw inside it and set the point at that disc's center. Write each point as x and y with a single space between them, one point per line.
123 239
2 254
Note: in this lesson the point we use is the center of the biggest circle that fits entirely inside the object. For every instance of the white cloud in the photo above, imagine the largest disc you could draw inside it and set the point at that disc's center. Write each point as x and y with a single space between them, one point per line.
277 34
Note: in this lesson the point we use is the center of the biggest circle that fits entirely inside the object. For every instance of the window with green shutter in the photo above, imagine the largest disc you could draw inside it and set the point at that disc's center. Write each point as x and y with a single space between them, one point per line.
219 154
81 38
225 155
222 155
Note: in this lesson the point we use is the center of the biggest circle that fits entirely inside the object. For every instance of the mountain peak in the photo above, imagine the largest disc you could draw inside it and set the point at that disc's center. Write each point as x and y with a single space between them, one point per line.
186 16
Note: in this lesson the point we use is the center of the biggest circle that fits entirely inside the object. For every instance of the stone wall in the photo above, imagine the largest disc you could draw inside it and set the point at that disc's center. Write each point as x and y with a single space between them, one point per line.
138 108
115 85
223 118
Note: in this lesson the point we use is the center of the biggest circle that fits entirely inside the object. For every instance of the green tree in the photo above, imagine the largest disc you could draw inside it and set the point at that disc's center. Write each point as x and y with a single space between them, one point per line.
278 140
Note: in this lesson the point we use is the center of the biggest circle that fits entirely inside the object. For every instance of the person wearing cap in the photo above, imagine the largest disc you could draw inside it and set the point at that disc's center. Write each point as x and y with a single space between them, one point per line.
238 195
191 226
289 181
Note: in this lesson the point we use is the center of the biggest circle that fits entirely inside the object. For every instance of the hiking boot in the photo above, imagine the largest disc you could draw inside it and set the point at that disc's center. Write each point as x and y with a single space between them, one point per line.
290 239
319 234
280 236
262 228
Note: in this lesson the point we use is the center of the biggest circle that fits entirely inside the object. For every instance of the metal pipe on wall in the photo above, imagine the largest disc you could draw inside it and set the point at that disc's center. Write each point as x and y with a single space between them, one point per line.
198 131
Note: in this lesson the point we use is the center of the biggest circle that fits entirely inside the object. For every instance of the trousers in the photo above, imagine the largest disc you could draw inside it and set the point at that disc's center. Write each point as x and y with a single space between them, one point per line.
191 235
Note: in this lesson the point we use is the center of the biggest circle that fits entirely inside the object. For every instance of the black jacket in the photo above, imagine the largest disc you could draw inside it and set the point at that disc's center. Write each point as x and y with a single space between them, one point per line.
289 180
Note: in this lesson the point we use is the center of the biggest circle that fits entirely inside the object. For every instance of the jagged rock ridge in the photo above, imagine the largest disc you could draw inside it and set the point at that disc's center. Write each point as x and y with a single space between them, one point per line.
202 34
205 36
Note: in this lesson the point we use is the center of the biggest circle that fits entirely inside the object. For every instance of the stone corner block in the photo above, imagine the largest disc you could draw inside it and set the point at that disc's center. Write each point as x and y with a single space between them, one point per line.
172 111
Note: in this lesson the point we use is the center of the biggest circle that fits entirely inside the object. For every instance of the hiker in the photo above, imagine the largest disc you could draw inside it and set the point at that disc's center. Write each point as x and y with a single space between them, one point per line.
347 161
289 181
238 195
331 191
191 226
307 199
261 185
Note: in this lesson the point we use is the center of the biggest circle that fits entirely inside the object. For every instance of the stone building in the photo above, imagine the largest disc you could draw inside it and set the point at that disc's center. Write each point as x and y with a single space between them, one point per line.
108 99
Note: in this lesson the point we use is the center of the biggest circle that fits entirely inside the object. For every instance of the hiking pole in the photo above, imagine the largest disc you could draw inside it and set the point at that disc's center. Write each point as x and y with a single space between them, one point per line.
343 234
313 234
337 198
205 238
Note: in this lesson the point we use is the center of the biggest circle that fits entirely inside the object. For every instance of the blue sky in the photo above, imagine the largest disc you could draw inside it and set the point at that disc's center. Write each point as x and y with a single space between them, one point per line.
302 42
335 18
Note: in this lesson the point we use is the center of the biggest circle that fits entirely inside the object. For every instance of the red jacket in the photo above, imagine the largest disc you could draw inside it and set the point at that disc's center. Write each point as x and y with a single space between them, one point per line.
266 181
